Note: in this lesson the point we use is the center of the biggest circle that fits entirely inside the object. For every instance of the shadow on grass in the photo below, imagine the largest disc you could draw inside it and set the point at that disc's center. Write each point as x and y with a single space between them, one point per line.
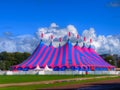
106 86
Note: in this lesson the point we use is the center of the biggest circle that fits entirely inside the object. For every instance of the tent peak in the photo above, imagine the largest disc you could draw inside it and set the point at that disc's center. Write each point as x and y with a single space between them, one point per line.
84 45
76 43
50 43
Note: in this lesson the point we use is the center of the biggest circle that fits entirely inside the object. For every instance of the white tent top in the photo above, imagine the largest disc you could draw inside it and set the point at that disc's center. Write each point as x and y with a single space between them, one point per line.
37 68
47 68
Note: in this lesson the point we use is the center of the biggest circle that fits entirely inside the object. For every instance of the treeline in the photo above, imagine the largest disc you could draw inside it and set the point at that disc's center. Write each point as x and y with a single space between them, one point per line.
9 59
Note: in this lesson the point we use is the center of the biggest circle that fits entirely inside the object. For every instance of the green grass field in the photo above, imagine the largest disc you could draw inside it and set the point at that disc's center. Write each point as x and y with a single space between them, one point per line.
34 87
31 78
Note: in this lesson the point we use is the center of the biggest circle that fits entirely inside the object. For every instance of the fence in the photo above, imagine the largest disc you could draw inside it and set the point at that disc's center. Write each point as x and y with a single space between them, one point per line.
59 72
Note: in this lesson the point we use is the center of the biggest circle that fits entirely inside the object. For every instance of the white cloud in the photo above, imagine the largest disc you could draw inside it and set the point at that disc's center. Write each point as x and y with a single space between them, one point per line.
72 29
115 3
53 25
103 44
21 43
27 43
7 45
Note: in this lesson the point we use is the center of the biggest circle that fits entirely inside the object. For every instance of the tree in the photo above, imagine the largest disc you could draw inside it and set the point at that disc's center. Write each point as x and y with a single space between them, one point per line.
9 59
109 59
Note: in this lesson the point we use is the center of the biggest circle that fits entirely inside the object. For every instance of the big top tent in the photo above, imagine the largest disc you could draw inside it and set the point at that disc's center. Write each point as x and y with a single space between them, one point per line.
66 57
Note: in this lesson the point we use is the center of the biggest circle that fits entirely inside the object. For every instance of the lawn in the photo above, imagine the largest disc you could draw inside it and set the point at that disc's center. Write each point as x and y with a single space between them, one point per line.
32 78
33 87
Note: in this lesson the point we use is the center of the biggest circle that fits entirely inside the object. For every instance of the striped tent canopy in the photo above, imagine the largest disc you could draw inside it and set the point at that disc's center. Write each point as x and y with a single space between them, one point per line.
66 57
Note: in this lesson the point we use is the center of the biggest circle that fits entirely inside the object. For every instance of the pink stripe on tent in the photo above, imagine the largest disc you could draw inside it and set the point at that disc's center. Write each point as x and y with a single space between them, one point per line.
43 56
81 64
91 50
30 65
87 60
99 60
48 57
79 49
60 59
31 58
84 60
86 56
66 63
73 58
90 58
55 56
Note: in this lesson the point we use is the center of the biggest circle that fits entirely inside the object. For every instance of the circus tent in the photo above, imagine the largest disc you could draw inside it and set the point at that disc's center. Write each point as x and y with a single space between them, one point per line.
66 57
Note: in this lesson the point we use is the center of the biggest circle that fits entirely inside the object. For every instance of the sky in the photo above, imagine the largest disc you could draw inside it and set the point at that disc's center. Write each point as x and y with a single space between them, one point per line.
25 18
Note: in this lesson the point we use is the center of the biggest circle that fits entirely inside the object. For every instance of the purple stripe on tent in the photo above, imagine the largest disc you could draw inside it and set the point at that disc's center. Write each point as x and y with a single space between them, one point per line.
91 55
70 54
57 58
81 64
84 61
41 64
36 62
95 54
43 56
73 58
94 58
87 58
64 55
66 63
51 58
39 54
80 53
30 60
76 59
54 58
60 59
28 57
87 54
87 61
48 57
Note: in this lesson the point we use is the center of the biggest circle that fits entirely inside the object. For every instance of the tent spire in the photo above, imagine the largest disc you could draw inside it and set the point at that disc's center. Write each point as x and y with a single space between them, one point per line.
41 36
90 43
69 34
78 36
51 40
84 43
60 40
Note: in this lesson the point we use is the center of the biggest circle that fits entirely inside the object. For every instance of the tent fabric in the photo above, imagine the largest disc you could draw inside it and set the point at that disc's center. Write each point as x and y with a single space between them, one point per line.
64 57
